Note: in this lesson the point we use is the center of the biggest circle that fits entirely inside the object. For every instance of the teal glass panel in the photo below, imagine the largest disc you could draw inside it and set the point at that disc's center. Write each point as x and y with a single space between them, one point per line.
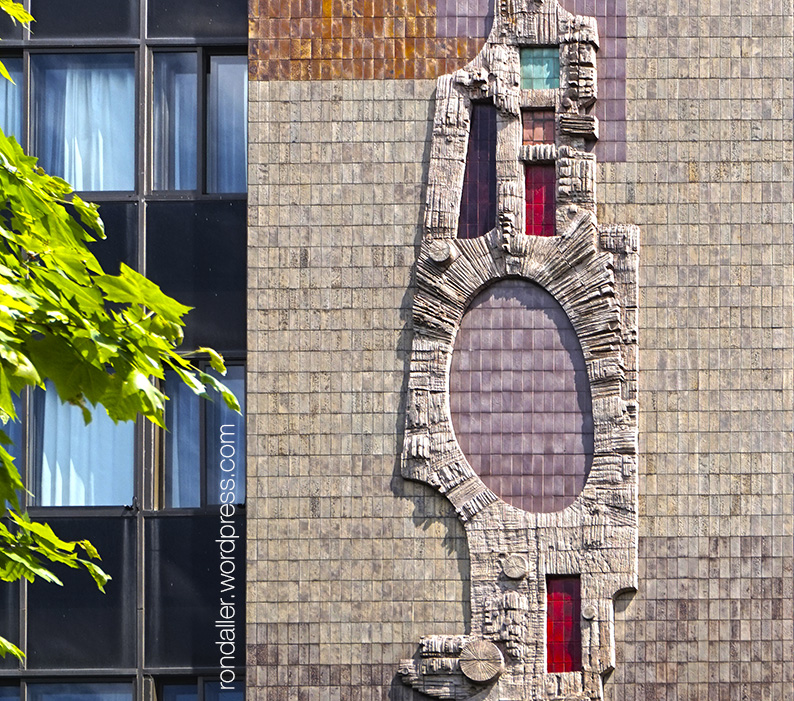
540 68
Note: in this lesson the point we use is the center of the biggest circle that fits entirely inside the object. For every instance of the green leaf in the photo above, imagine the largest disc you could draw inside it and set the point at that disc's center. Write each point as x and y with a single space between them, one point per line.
225 392
16 11
4 72
216 359
7 647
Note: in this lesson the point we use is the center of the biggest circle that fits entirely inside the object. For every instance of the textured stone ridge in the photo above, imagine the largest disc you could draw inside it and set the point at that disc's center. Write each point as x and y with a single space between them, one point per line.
592 272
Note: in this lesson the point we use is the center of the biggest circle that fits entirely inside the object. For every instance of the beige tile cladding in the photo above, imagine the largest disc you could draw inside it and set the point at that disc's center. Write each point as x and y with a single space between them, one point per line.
349 564
709 179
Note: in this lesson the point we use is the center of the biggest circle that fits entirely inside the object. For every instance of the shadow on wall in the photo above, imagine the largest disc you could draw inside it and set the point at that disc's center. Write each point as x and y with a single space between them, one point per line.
430 508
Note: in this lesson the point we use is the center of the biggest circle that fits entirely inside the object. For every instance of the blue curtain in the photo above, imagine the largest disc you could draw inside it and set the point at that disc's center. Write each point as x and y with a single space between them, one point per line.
223 438
11 99
182 445
83 118
227 124
225 442
175 121
79 465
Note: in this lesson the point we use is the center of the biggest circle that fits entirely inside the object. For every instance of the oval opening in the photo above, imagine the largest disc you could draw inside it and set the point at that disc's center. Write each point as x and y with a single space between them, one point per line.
520 397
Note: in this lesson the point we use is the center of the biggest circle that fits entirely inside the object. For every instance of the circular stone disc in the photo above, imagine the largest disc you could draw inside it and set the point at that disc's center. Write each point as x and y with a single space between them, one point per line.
441 251
481 661
515 566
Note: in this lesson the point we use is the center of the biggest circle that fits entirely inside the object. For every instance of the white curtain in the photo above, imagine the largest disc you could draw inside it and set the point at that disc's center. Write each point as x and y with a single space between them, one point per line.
81 465
84 119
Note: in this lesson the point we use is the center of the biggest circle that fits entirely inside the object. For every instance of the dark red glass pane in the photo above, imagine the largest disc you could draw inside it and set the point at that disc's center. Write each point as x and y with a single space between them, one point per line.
563 624
538 126
478 201
541 186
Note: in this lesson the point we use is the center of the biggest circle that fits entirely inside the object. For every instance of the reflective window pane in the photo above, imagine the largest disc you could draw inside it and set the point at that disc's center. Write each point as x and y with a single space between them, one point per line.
195 251
563 624
120 244
179 692
225 441
214 692
83 118
185 581
9 620
79 465
478 199
9 29
538 126
106 621
9 693
182 479
84 18
198 18
541 194
175 121
80 691
227 124
11 99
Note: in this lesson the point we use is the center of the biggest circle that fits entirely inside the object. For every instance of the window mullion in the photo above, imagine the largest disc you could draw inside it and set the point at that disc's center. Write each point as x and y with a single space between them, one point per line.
201 131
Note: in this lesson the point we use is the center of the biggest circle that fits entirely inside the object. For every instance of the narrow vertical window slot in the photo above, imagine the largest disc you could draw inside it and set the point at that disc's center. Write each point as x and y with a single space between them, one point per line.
563 624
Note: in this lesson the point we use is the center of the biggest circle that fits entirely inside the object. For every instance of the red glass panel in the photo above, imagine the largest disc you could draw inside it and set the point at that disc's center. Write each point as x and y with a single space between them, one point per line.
541 193
538 126
478 201
563 624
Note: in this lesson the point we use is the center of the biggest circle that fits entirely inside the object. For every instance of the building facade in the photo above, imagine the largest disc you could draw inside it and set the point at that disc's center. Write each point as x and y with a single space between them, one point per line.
361 580
473 470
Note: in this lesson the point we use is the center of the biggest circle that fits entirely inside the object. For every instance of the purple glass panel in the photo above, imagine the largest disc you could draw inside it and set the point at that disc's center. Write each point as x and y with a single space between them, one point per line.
478 201
520 397
470 19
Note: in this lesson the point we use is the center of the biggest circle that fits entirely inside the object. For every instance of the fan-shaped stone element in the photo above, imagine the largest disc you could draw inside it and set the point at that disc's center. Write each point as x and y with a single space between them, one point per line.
481 661
520 397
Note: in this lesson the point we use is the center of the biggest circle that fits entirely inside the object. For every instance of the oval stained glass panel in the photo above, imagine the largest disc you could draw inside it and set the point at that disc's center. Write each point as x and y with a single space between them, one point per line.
520 397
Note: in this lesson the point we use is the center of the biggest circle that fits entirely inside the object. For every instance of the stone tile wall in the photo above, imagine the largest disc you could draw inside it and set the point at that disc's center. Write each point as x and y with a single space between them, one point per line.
349 563
708 177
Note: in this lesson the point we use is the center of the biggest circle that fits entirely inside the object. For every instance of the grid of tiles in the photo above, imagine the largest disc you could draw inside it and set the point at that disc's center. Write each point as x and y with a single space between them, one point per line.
478 198
364 39
541 189
611 106
538 126
708 177
460 18
348 563
563 624
519 397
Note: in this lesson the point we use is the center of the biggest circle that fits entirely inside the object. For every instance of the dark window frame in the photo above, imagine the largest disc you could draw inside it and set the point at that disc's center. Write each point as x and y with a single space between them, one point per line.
148 439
